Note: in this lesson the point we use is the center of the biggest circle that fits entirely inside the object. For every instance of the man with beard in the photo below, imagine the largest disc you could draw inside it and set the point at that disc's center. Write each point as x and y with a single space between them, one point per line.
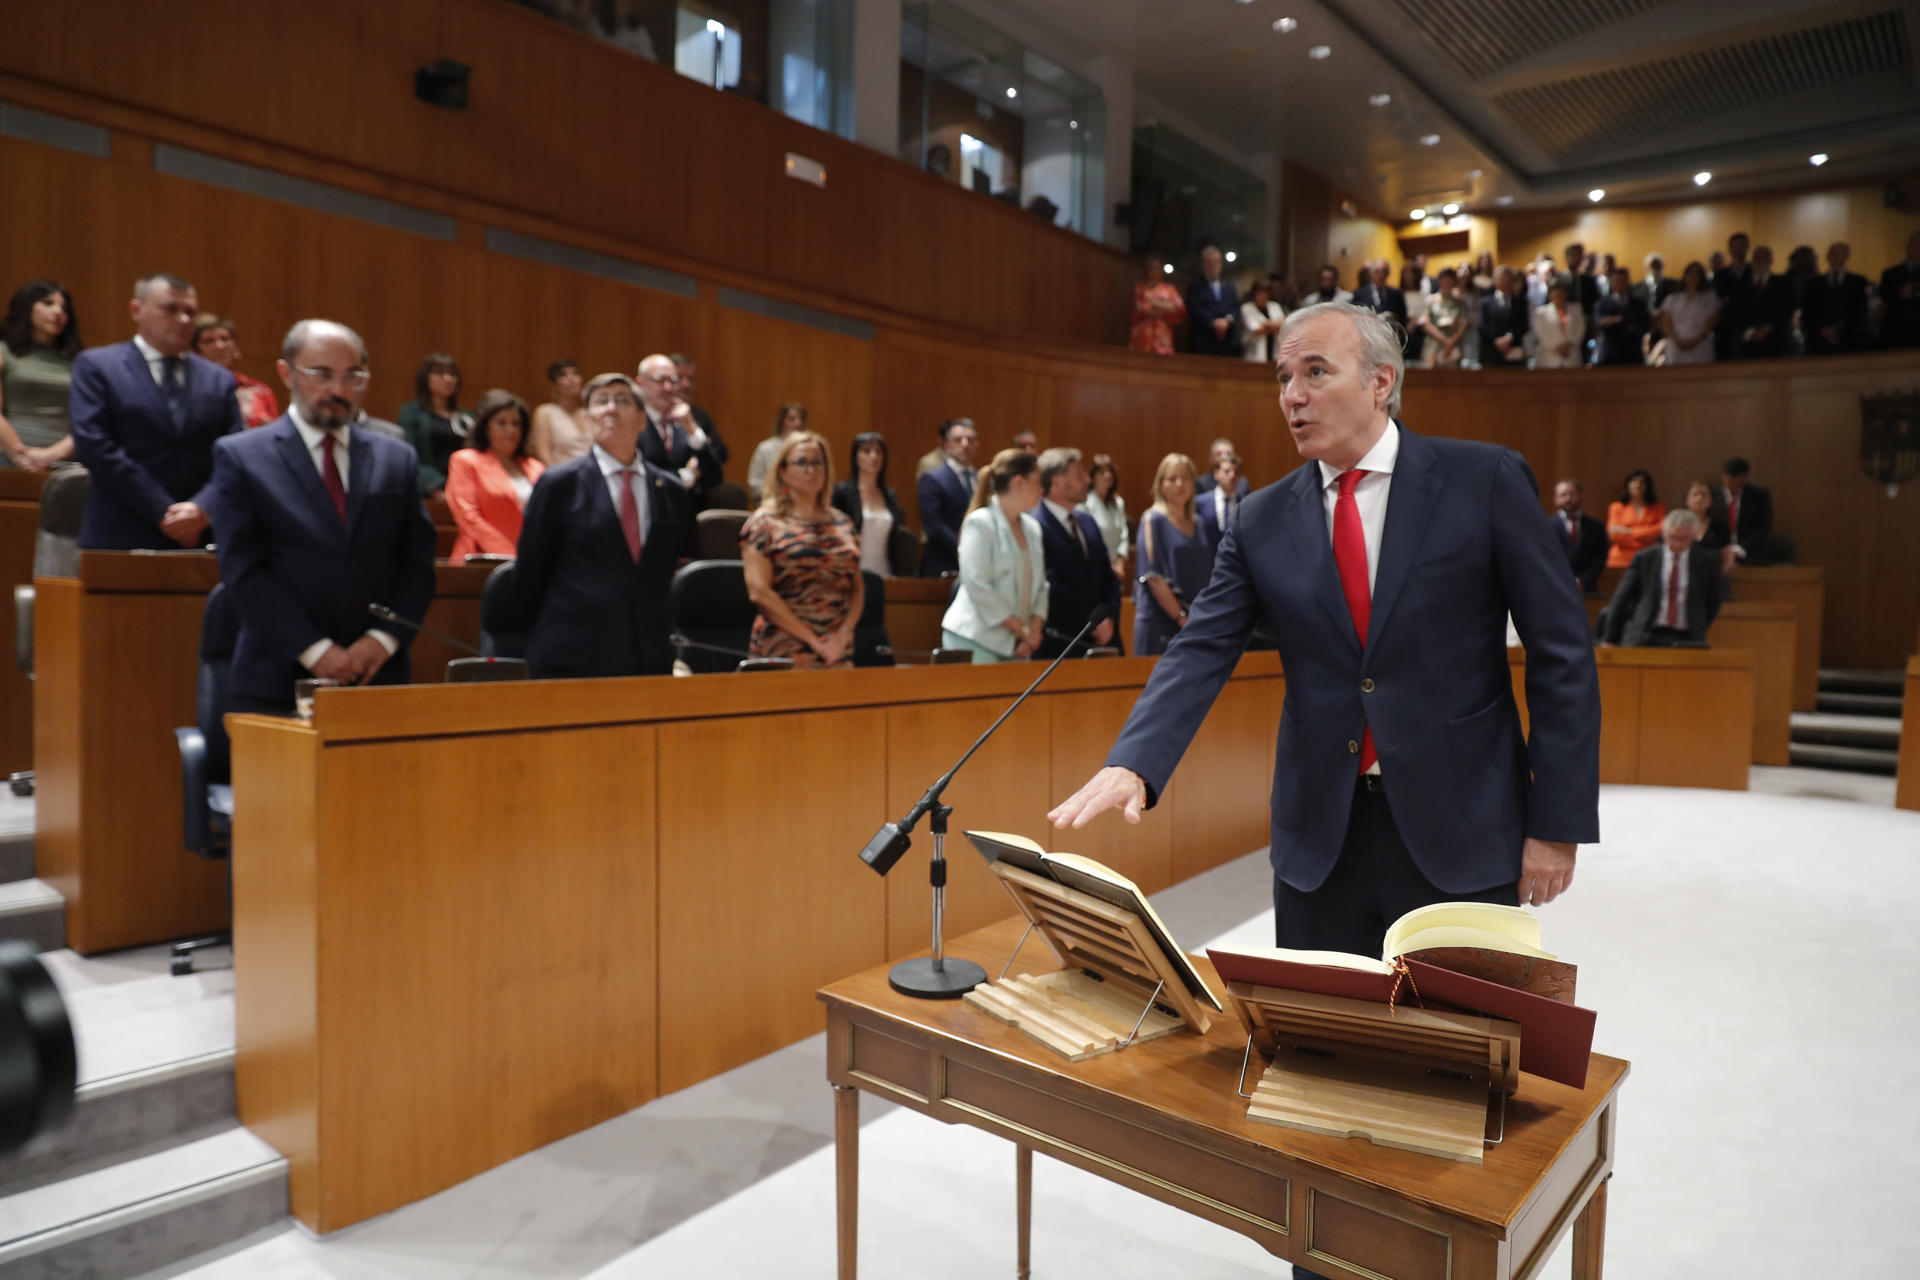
316 518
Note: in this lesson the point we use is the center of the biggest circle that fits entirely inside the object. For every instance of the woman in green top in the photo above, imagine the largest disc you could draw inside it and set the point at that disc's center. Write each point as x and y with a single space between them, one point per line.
38 340
435 423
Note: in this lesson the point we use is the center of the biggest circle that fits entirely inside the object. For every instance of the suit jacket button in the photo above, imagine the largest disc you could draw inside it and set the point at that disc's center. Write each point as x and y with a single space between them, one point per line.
1366 686
1353 748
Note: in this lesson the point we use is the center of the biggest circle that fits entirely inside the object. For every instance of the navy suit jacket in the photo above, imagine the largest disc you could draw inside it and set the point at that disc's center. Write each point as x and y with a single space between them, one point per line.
138 463
1206 514
295 573
1587 554
1465 544
1203 309
1385 299
592 610
1076 580
943 505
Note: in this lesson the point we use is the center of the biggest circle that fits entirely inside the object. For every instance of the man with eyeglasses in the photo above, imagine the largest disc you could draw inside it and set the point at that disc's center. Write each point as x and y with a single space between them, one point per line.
317 517
674 439
145 415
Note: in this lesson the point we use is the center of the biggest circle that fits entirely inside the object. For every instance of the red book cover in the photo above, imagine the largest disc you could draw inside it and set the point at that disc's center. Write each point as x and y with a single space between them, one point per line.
1555 1038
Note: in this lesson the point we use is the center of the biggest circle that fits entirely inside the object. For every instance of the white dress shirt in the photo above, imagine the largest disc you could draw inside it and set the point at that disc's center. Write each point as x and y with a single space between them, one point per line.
610 468
876 530
1669 565
313 437
156 362
1370 494
696 438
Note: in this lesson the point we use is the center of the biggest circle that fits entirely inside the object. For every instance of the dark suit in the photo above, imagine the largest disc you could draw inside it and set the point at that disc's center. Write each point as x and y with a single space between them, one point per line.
675 457
1651 299
1900 292
1584 289
1640 600
846 497
1753 305
944 497
1501 315
1752 527
719 447
295 573
1077 579
1619 344
1728 283
140 462
1202 310
1207 484
1587 551
590 608
1206 514
1844 307
1464 545
1385 299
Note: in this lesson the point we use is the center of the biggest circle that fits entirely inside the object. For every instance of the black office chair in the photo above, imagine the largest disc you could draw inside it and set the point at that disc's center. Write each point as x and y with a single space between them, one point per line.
729 496
871 648
206 764
708 604
56 554
716 534
485 670
503 632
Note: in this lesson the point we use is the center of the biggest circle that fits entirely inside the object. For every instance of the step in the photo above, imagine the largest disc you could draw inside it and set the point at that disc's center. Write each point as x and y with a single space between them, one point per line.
1861 704
1856 759
1861 680
16 856
35 912
1874 732
144 1213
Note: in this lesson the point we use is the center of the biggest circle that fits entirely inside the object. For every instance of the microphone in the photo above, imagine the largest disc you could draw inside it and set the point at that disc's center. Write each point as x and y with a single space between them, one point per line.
891 841
385 614
679 641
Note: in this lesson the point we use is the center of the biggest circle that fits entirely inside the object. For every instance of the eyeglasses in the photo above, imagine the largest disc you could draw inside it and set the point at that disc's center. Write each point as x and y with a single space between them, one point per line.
324 376
663 380
808 464
617 399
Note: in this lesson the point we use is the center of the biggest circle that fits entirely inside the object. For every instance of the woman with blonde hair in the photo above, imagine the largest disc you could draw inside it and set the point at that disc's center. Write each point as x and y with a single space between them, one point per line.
1000 609
802 561
1175 558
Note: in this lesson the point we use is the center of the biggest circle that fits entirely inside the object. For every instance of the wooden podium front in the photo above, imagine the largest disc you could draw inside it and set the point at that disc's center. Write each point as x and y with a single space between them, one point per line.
117 659
19 524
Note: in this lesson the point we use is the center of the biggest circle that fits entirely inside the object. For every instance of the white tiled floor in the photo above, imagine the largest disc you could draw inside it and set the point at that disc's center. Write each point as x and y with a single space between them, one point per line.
1752 954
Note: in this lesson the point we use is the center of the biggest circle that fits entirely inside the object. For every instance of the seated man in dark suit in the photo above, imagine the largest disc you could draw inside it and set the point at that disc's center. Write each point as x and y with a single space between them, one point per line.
1584 537
1212 306
1670 594
145 415
1900 294
1620 321
1833 316
674 439
317 518
945 492
1747 510
1504 319
599 543
1079 575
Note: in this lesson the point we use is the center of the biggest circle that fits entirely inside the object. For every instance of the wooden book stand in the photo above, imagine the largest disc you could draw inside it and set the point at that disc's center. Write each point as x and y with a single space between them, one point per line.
1418 1079
1114 986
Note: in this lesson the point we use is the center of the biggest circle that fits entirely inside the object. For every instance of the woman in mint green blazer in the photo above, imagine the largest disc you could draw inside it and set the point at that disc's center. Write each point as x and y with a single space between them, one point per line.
999 612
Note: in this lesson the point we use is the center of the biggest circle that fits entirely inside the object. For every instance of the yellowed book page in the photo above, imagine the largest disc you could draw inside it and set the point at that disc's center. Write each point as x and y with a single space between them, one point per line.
1459 936
1512 923
1007 837
1334 959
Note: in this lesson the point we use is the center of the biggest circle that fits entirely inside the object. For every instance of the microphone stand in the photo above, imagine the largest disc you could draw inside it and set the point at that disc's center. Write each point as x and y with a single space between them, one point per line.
936 976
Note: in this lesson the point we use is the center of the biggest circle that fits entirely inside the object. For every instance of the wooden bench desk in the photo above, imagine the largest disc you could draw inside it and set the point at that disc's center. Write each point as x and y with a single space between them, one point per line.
19 527
1804 587
1164 1117
1907 784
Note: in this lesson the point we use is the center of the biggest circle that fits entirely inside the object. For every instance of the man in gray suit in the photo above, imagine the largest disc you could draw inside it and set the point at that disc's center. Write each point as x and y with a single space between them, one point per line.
1670 593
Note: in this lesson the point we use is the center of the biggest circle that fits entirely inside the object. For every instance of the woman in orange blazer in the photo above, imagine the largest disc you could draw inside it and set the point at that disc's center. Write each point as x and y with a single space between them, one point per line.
489 481
1633 523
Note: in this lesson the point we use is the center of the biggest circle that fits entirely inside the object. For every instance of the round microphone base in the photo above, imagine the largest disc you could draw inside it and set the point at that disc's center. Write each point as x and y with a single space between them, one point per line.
949 980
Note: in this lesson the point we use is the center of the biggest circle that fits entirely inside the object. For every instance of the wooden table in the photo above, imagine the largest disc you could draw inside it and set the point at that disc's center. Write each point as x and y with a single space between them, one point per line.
19 526
1164 1118
1802 586
1907 784
117 657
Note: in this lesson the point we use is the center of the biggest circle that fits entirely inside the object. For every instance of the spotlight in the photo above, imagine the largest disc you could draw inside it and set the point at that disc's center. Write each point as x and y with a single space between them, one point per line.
1379 99
1417 214
1232 256
1449 209
1817 159
1597 194
1320 52
1702 178
1166 268
1504 200
1284 25
1073 124
1012 92
1430 140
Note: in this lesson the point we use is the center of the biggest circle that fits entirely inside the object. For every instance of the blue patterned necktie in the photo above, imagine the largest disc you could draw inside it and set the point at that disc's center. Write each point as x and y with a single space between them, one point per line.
171 387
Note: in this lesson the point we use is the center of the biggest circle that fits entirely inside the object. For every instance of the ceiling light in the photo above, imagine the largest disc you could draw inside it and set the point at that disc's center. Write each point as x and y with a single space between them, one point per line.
1012 92
1379 99
1449 209
1073 124
1597 194
1473 173
1430 140
1817 159
1320 52
1504 200
1231 255
1284 25
1702 178
1166 268
1417 214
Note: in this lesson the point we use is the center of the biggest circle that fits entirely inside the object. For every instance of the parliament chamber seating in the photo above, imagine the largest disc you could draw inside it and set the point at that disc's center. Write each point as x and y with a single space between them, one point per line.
717 533
708 605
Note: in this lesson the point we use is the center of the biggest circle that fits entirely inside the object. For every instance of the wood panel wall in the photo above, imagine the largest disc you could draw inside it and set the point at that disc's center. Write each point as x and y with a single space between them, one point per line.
569 129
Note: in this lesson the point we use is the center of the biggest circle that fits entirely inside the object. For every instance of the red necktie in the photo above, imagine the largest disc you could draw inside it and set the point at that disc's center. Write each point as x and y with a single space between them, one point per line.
330 475
1733 516
630 510
1350 557
1673 595
1573 530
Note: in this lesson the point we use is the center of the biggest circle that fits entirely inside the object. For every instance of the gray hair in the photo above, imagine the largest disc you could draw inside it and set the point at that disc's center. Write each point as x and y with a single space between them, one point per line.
1382 340
146 284
305 331
1681 517
1056 461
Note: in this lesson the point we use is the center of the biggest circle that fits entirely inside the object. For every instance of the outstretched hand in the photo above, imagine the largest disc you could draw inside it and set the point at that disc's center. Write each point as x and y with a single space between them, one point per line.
1111 788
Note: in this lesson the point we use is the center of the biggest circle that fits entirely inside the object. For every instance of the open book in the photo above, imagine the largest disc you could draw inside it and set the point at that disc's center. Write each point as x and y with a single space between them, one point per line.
1480 939
1098 880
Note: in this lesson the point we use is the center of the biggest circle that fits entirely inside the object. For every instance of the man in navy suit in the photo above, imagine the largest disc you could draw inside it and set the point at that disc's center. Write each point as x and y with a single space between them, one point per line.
145 415
1582 537
946 491
1386 567
1375 291
1079 575
1213 510
1504 320
316 518
599 543
675 439
1220 449
1670 594
1212 307
1834 314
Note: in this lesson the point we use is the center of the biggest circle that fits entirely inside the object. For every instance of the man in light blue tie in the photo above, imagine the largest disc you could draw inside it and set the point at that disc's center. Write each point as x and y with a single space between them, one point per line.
1211 306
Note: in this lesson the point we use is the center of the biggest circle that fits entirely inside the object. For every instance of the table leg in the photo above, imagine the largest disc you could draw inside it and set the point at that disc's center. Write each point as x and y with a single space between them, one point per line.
846 1151
1590 1236
1023 1211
